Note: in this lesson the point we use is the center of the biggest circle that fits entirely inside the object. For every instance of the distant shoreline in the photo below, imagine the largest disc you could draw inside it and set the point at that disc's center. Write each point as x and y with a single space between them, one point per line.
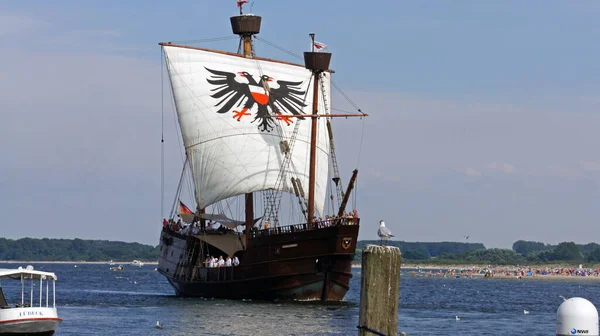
426 271
76 262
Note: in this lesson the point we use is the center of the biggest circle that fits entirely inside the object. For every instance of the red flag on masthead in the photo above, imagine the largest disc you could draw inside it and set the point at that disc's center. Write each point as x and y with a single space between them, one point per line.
241 2
320 46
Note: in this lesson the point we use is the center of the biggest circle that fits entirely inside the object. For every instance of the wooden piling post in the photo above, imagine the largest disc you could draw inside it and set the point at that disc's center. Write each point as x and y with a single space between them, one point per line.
379 289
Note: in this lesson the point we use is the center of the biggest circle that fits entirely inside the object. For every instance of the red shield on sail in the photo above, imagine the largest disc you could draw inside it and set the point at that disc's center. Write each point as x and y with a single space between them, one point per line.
260 98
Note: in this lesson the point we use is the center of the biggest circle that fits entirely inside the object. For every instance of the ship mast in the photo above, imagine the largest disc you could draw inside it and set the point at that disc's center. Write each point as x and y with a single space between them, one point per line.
245 26
317 62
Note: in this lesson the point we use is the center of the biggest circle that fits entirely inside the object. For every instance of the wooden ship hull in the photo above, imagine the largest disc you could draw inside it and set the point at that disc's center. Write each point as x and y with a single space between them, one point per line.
297 262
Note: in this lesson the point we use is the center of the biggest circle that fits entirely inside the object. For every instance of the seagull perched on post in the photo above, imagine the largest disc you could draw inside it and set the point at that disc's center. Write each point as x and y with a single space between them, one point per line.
383 232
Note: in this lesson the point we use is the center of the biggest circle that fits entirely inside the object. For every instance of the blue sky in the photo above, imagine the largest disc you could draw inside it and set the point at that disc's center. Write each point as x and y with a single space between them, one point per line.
484 115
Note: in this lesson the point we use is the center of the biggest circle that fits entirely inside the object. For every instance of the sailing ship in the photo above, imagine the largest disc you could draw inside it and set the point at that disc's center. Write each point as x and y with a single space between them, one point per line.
256 129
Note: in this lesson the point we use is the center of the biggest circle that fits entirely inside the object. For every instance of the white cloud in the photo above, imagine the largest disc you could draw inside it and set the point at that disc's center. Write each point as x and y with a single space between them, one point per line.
12 25
506 168
383 177
472 172
417 137
84 36
563 172
590 166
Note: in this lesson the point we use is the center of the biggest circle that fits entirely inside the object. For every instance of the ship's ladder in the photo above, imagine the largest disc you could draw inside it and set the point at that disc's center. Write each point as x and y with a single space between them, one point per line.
272 198
336 170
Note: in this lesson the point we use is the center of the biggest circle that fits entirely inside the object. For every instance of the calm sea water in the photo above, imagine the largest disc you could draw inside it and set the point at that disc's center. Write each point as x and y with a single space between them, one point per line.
94 300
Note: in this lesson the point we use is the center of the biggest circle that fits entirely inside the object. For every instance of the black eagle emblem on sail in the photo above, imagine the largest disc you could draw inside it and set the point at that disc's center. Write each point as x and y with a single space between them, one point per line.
240 98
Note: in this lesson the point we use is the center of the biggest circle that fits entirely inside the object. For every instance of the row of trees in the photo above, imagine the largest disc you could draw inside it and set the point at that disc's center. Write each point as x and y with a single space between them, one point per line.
422 251
74 250
436 253
521 253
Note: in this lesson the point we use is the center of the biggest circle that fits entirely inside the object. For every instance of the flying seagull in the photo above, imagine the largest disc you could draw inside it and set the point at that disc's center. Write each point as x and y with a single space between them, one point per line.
383 232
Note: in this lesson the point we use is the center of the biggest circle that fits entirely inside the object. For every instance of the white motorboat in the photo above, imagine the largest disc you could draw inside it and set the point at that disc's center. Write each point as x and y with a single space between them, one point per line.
137 263
35 313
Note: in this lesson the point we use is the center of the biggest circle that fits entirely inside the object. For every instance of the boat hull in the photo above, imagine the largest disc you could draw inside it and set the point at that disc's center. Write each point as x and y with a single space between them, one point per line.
302 265
28 321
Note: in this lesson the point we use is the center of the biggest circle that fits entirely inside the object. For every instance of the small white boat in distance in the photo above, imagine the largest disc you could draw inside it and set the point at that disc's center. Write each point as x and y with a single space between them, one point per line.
137 263
32 316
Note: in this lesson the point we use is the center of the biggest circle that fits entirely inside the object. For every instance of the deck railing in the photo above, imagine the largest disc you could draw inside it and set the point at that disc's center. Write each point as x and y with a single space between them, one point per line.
256 233
317 224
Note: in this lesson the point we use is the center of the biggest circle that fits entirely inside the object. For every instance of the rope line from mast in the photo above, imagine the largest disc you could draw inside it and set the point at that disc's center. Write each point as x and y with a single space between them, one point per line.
184 159
279 48
301 58
162 138
288 163
213 39
174 206
346 97
179 136
272 197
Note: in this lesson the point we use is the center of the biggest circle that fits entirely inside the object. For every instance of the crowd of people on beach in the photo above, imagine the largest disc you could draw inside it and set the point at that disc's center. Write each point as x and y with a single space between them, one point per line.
523 271
517 272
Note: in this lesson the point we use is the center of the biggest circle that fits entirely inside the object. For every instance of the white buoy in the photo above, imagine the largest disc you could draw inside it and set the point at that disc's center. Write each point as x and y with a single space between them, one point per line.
577 316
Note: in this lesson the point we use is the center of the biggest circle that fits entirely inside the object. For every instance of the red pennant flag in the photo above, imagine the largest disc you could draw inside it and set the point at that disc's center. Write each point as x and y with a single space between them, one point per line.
320 46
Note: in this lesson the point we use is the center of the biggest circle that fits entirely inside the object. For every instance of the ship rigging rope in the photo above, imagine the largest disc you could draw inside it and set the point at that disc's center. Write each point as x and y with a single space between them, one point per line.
279 48
162 138
184 159
300 57
288 162
273 197
334 85
179 137
214 39
174 206
343 95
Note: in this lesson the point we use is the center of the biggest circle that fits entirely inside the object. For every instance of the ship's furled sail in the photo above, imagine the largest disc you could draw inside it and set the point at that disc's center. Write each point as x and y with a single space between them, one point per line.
233 127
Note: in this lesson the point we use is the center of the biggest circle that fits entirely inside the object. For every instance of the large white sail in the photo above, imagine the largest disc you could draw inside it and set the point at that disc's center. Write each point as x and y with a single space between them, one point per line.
224 112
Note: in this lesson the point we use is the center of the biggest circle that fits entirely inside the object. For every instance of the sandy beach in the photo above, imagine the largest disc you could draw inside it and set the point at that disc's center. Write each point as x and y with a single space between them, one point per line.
518 272
546 272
